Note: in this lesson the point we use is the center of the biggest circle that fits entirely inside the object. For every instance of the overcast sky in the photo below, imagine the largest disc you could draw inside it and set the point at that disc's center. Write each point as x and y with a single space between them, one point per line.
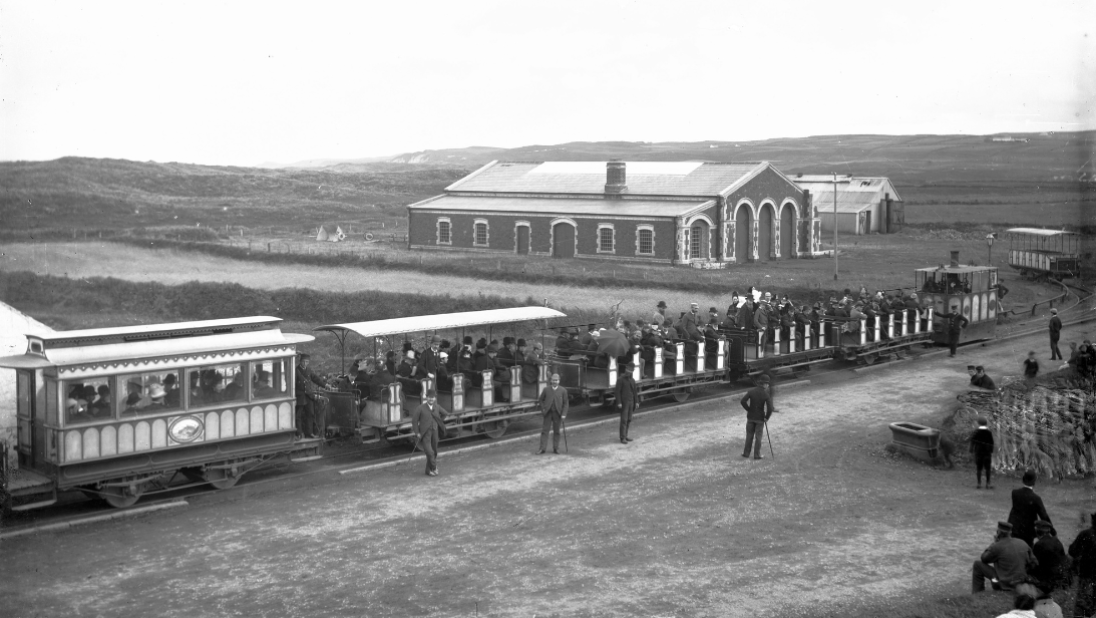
251 82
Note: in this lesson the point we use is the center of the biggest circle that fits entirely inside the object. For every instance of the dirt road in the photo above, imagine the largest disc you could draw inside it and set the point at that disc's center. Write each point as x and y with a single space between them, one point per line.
675 524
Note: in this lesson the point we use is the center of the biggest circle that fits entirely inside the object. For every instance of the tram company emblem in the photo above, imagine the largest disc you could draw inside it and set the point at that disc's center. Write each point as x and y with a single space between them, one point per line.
186 429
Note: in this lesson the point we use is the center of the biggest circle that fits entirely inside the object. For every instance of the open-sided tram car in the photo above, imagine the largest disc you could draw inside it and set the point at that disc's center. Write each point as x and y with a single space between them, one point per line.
118 412
386 416
971 290
738 353
1044 253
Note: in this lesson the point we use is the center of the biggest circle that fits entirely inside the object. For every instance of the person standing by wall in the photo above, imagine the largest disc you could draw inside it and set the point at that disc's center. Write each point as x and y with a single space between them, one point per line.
1055 326
981 448
759 407
626 395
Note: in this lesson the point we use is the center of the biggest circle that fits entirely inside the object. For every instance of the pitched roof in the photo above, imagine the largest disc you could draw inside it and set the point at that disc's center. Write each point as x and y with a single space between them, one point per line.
854 193
663 178
564 206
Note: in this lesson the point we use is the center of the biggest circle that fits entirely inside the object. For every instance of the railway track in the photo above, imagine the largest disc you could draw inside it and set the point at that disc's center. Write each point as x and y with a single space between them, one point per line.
343 454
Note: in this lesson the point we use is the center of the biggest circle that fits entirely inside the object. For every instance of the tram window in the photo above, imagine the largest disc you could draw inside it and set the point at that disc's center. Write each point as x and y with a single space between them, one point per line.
88 400
149 393
268 379
217 383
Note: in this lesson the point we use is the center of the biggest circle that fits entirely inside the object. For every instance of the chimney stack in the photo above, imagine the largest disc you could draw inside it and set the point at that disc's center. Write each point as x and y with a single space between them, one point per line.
615 178
954 259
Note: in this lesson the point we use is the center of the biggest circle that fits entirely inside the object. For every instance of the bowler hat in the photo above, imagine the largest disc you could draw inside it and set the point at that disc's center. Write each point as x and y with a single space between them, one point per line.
970 367
763 379
521 343
661 304
467 340
492 349
435 339
507 340
304 355
713 310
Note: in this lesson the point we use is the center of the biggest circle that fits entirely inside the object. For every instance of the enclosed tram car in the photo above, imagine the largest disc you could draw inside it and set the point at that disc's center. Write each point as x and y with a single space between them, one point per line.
1044 253
118 412
970 290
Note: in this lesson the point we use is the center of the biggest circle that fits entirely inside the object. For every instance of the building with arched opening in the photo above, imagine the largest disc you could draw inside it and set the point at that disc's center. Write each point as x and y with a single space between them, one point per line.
702 214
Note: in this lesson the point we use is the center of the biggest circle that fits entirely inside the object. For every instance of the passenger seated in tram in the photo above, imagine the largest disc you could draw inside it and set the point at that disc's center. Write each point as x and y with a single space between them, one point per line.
156 395
530 367
855 313
381 380
171 387
263 386
409 374
197 396
913 307
75 411
236 389
101 406
133 397
507 354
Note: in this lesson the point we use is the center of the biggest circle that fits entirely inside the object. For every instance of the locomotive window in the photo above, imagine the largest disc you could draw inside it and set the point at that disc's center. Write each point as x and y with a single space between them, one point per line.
268 379
88 400
218 383
149 393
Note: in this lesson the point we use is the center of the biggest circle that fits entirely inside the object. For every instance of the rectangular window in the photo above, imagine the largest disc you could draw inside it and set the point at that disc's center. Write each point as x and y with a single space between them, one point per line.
218 384
444 233
88 400
149 393
646 241
481 234
268 379
694 242
605 240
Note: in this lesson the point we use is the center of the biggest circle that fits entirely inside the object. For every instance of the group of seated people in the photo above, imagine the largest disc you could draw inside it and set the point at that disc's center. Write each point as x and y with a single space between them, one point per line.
1082 359
948 284
440 362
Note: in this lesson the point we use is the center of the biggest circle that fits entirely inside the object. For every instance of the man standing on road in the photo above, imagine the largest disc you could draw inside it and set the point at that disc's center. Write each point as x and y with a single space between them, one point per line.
981 447
627 400
955 321
427 421
1055 334
1005 563
1027 507
553 406
759 407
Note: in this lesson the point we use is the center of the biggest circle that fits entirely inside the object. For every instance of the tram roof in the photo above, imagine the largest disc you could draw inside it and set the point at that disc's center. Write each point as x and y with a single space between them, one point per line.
150 341
444 321
958 270
1034 231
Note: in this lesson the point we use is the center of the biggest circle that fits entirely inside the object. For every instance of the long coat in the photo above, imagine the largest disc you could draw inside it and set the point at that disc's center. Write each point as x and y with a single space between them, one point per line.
758 404
1027 506
626 392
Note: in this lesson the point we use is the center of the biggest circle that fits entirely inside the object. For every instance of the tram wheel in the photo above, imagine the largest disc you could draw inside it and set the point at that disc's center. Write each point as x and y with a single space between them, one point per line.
220 479
496 430
120 497
680 394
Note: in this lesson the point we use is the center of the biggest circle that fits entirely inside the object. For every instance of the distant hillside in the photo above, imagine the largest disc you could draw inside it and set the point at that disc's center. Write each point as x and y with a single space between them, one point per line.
910 159
108 193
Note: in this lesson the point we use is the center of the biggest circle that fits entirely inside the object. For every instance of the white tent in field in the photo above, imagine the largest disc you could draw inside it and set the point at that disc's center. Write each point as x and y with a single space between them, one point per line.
335 236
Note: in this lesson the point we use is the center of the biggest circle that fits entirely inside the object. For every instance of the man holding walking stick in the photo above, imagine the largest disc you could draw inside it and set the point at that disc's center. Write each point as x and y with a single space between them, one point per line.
427 421
553 406
759 407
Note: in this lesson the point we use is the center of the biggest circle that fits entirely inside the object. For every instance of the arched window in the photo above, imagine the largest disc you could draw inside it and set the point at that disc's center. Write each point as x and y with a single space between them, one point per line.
645 240
481 234
445 231
695 244
606 238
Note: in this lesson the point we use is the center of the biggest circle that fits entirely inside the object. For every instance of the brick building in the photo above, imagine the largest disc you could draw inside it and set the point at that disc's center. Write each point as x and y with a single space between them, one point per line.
684 212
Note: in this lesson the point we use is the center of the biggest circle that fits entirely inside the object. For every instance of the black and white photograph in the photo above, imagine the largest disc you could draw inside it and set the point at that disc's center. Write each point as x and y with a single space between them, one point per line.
302 306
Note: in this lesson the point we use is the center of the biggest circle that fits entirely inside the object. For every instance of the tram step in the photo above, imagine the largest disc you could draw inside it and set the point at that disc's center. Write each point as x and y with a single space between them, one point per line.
304 459
34 505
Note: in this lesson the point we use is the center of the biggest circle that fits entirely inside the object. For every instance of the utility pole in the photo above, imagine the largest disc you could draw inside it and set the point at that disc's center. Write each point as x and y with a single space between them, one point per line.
835 226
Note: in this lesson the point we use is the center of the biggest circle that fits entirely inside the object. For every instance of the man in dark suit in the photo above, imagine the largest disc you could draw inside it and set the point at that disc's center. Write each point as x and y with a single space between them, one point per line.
627 400
954 322
553 406
428 421
1026 508
759 407
307 400
1055 334
1052 571
432 365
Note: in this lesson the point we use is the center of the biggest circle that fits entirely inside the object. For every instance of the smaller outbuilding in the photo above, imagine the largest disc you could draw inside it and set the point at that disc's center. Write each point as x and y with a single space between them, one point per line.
865 204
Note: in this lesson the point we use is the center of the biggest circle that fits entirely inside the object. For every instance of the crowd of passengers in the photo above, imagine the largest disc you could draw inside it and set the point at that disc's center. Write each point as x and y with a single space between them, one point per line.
756 311
208 386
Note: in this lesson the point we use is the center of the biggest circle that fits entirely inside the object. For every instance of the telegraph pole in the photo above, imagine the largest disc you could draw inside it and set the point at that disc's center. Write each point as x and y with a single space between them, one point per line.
835 226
